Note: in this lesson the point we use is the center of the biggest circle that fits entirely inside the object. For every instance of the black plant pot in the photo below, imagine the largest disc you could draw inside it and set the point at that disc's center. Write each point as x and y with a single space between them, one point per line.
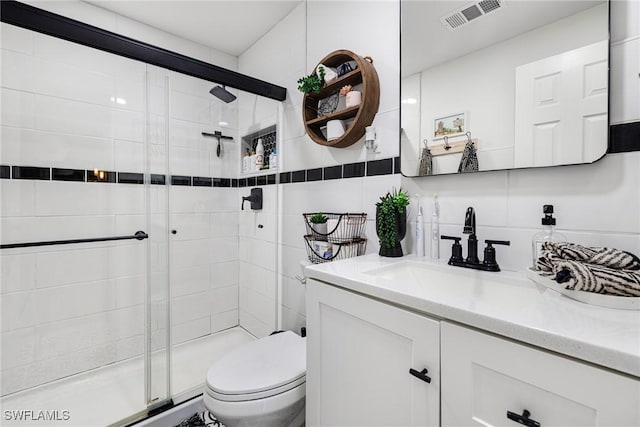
401 231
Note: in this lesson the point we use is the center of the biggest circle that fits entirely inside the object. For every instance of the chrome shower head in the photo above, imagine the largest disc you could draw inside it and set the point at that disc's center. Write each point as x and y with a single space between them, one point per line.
222 94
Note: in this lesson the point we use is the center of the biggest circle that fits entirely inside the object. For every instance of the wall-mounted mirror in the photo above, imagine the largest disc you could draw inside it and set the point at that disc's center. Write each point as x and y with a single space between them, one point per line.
502 84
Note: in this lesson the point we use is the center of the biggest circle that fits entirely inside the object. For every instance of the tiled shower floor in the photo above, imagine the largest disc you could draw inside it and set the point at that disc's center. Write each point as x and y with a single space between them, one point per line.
107 395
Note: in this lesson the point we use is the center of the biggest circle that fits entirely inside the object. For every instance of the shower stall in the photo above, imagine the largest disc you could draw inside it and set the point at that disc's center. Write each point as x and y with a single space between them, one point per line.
127 267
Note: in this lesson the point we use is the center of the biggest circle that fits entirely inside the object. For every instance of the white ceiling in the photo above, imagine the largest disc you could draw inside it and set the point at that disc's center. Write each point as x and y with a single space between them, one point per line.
427 42
230 26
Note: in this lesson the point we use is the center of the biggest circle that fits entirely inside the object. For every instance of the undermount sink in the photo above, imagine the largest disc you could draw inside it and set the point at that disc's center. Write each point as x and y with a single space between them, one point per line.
405 276
416 276
425 273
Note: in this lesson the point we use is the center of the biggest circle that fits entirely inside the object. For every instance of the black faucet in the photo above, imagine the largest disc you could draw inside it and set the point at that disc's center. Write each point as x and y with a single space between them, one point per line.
472 261
470 229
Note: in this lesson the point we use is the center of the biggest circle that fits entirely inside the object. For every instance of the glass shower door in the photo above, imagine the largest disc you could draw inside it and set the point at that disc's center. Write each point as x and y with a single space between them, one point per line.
203 213
84 322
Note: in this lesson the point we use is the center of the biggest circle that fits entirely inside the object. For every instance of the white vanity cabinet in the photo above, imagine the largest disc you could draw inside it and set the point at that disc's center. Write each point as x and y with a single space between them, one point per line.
359 355
360 350
485 377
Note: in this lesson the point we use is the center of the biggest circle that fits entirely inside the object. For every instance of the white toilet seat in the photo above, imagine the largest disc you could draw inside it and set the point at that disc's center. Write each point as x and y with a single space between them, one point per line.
261 384
263 368
257 395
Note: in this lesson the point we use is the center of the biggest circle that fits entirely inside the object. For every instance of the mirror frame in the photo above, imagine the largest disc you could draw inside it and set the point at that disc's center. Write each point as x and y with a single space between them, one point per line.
620 138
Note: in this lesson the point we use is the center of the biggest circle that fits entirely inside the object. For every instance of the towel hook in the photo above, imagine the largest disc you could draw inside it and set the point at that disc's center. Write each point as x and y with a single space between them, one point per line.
469 137
446 143
425 141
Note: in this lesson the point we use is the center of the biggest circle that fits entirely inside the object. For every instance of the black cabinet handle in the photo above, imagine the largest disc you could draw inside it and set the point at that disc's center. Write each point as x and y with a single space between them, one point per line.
422 374
523 419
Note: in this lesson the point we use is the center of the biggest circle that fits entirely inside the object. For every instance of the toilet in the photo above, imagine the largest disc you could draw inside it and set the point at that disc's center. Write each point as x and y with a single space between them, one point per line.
261 383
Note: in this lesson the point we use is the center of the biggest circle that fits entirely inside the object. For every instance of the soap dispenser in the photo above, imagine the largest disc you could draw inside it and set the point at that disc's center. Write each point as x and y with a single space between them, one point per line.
548 234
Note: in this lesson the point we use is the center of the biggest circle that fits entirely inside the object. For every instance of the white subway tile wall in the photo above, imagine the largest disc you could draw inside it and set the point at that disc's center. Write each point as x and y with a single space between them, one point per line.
298 152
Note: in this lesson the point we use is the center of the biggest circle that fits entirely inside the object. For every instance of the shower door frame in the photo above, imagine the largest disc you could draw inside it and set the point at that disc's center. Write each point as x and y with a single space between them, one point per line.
39 20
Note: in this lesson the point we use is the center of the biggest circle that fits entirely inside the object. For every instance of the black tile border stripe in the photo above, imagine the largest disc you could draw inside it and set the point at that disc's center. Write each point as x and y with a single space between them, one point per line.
77 175
97 175
624 138
378 167
158 179
299 176
353 170
285 177
222 182
333 172
130 178
202 181
31 172
180 180
314 174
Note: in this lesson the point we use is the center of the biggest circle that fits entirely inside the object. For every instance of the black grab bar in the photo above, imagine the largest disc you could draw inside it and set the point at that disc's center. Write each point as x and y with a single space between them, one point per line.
138 235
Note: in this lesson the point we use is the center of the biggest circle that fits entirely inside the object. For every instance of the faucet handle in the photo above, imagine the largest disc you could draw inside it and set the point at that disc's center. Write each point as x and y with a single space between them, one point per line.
456 248
497 242
490 263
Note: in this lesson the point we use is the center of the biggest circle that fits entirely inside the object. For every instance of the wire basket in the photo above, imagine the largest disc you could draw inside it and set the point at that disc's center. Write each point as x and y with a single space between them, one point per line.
320 251
339 228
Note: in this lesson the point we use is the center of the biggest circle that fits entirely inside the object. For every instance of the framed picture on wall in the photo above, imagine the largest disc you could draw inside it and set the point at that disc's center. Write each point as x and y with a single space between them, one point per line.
450 125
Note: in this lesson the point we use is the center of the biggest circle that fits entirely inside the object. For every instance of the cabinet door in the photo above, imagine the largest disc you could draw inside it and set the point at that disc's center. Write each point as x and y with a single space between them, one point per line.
359 353
484 377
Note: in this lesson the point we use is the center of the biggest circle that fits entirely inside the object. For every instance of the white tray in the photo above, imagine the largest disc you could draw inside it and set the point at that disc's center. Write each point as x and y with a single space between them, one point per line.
610 301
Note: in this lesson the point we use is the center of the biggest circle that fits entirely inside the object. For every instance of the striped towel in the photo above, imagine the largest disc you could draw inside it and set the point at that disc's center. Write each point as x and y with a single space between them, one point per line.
599 270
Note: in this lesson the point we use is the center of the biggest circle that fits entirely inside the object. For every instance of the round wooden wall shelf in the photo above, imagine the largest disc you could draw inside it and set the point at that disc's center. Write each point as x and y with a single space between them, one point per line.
361 114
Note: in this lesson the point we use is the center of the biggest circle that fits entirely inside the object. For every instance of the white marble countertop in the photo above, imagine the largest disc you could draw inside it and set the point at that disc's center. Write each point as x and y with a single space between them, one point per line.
504 303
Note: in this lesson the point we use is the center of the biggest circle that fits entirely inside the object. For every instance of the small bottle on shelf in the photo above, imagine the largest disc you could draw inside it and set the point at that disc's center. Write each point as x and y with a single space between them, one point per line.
259 154
252 162
273 159
245 161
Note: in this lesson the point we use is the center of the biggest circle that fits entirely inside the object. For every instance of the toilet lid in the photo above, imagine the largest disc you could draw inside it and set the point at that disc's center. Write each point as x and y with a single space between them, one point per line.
266 364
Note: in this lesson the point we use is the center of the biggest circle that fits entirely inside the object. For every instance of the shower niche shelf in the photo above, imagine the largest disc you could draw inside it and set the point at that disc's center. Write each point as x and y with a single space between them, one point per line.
249 142
356 118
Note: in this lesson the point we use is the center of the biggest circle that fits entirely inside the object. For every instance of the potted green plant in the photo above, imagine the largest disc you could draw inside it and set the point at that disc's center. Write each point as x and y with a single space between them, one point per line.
313 82
391 222
319 224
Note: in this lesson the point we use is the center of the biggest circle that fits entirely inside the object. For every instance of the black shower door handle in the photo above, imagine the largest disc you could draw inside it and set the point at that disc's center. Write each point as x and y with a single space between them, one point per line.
138 235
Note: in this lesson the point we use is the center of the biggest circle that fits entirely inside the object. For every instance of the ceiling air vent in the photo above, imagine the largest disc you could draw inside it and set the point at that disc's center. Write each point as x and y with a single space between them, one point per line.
462 16
489 5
